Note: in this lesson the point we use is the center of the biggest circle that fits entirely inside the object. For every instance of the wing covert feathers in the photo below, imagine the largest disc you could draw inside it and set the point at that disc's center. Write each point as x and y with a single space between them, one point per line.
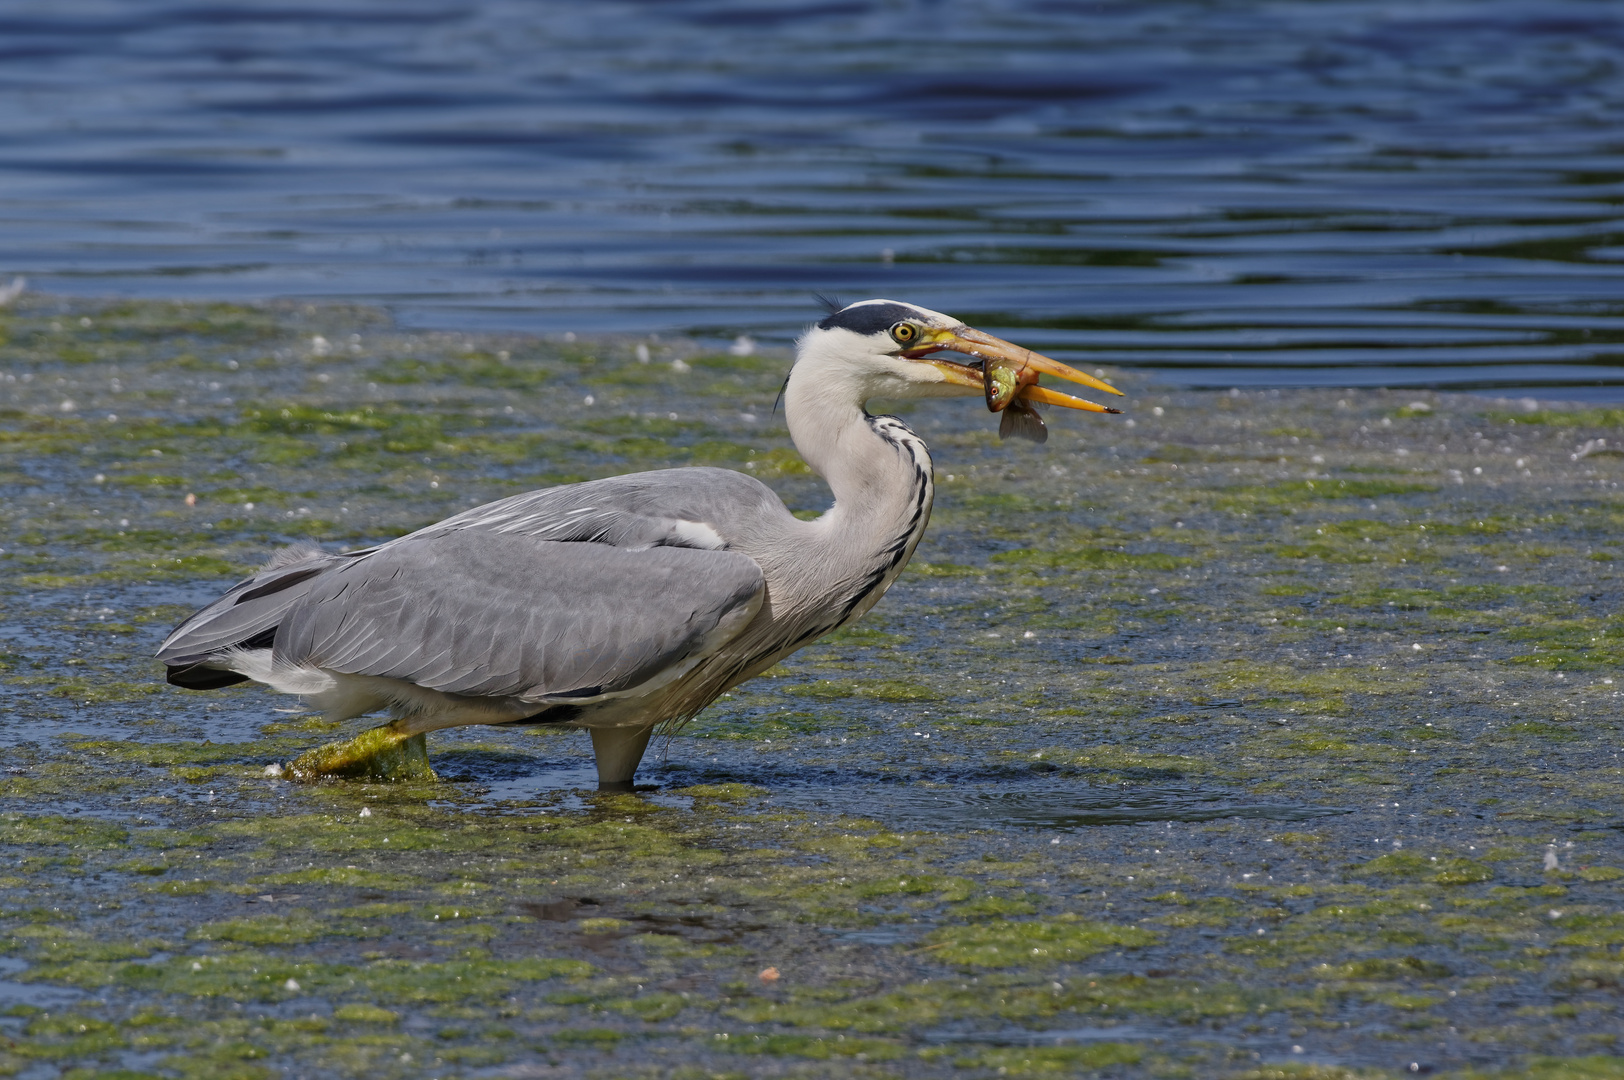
248 608
575 591
492 615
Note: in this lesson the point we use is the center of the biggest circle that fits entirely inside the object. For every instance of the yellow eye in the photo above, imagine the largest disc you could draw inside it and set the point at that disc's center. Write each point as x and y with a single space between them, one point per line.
905 333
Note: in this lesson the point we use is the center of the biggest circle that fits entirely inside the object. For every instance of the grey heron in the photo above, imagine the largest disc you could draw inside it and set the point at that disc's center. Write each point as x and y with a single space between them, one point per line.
624 603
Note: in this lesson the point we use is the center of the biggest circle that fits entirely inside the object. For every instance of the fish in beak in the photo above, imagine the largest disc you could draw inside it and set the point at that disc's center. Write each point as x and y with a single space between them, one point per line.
1007 376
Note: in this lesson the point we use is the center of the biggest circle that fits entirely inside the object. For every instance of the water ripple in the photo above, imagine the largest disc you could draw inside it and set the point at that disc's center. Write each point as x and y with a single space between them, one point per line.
1168 186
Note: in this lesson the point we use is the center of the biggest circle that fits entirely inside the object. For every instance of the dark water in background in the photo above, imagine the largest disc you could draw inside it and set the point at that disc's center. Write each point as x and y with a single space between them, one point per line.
1304 192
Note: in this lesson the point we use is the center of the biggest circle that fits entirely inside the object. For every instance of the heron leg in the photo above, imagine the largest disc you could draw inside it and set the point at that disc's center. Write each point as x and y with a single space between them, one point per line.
618 750
388 752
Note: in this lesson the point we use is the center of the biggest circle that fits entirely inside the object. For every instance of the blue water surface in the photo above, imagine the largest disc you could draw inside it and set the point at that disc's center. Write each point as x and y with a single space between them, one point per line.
1231 193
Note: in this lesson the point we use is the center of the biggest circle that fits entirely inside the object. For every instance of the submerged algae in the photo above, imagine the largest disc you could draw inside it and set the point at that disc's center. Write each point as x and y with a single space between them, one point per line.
1033 943
1194 618
381 753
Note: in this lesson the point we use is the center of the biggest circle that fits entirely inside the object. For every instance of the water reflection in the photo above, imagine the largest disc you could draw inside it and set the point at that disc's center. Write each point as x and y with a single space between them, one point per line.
1049 1037
1229 193
21 998
1047 806
527 782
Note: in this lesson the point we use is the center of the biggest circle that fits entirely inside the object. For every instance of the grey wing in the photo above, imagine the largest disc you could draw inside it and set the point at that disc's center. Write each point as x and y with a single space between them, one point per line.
675 509
498 615
696 507
245 617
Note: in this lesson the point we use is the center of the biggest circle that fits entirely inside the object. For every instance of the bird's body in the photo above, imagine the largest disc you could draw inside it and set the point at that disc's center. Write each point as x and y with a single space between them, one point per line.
614 605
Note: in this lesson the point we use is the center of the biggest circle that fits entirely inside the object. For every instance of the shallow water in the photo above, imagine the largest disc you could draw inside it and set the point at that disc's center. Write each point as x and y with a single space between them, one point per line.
963 806
1254 735
1227 193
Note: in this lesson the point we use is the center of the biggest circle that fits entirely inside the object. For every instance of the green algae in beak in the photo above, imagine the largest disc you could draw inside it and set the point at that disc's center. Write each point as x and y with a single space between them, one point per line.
382 753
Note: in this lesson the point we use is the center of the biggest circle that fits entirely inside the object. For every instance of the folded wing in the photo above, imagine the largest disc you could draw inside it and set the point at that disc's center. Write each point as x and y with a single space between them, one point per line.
499 615
594 587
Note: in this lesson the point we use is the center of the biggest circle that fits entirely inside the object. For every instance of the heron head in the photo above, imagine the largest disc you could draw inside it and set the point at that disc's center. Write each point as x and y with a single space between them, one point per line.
899 350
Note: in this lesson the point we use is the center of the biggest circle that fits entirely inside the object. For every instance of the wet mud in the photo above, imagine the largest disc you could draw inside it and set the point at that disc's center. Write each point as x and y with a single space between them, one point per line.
1255 735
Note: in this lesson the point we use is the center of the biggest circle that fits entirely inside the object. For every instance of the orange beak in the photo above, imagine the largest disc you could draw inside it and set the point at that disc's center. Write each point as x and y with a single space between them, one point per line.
1007 371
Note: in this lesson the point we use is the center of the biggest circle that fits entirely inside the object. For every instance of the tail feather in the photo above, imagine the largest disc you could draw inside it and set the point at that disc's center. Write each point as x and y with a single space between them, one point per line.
245 617
198 677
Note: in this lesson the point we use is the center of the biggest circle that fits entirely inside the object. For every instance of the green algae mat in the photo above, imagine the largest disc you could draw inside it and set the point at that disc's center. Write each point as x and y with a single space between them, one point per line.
1267 735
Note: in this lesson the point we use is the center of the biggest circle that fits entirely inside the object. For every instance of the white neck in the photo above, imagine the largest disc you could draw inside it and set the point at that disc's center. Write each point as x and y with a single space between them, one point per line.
876 481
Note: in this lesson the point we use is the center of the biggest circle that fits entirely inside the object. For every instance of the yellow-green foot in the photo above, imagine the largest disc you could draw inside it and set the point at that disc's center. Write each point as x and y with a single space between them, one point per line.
383 753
